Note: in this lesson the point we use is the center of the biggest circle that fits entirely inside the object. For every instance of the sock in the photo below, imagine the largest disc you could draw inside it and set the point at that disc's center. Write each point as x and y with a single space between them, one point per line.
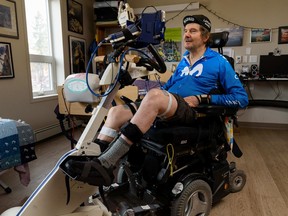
119 148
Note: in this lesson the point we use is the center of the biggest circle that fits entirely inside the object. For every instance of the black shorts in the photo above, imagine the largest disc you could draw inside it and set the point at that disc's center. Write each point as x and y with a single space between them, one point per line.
184 115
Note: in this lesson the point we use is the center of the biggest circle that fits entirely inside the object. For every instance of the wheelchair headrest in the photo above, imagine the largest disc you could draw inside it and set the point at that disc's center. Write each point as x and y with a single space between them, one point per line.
219 39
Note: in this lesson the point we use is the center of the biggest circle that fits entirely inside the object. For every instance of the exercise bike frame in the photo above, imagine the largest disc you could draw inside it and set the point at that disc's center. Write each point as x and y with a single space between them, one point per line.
50 197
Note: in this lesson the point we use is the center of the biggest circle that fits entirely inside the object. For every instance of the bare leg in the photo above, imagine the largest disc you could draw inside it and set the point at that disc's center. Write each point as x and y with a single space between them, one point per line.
117 116
154 103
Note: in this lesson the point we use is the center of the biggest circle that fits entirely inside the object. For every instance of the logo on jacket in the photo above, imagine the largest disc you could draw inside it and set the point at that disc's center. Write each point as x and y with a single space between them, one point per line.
198 68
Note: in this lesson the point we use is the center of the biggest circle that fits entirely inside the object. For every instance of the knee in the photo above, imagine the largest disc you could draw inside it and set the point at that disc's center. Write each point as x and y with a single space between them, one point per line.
153 95
116 111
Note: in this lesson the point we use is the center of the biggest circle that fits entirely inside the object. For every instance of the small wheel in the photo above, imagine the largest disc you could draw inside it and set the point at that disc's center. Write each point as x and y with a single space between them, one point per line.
237 181
196 199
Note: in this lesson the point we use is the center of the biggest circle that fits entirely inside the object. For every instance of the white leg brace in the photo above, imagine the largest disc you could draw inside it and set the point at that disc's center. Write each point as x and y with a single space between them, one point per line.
168 107
108 132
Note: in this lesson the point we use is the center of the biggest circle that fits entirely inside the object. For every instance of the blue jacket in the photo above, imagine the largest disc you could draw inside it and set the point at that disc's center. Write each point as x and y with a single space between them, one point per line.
211 71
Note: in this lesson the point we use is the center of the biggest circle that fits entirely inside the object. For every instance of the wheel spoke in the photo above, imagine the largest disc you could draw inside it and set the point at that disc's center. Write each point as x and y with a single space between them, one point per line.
196 204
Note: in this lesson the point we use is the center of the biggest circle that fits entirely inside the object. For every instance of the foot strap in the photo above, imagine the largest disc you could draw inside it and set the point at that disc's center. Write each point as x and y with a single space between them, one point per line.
87 169
92 171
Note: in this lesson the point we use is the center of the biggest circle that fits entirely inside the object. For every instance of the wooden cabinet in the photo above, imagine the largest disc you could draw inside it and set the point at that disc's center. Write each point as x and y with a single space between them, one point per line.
103 29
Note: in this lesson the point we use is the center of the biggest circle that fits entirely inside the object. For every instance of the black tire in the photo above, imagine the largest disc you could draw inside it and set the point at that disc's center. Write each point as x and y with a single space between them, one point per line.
237 181
195 200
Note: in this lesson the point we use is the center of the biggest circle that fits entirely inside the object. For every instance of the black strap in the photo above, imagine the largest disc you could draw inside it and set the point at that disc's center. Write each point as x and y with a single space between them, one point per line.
132 108
236 150
127 34
67 183
99 168
132 132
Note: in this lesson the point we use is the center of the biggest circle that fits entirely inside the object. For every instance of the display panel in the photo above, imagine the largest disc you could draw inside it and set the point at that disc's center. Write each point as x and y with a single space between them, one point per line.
273 66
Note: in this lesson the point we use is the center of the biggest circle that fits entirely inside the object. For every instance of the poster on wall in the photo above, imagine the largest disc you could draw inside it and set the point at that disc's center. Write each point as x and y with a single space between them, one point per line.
235 36
77 54
260 35
8 19
75 16
283 35
6 63
170 50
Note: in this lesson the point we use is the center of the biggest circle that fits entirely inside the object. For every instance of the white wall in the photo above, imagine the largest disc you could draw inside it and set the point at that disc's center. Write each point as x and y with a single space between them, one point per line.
15 95
247 13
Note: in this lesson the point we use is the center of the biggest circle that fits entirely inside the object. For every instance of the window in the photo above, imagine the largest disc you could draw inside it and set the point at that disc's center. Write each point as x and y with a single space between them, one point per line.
42 63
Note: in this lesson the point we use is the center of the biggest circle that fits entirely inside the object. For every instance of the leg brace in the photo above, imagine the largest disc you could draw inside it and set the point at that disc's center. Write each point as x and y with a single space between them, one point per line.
132 132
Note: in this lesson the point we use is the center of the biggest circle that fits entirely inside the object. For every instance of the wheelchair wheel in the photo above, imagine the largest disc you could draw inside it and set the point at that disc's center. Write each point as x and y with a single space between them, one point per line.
196 199
237 181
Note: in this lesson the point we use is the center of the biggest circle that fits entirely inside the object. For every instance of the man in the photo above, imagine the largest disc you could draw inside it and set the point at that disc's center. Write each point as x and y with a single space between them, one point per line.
201 71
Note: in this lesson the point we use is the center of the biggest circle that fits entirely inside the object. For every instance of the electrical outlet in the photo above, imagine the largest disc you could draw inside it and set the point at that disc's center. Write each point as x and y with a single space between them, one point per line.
238 59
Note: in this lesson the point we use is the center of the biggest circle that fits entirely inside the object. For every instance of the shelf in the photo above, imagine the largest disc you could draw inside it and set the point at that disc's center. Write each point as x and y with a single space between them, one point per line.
103 29
107 23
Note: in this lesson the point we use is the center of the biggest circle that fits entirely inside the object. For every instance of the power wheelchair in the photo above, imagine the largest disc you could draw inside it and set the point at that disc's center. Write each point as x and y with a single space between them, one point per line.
175 169
179 170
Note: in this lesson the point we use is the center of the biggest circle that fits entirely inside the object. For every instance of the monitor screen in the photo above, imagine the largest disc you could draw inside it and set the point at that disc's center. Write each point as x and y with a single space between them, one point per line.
273 66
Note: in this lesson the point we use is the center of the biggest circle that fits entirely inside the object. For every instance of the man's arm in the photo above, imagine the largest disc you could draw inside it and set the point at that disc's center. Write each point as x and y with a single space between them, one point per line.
235 94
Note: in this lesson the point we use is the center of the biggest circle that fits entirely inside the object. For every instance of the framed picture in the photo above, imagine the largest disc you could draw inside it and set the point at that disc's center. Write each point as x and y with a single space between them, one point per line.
6 63
283 35
260 35
8 19
235 36
75 16
77 54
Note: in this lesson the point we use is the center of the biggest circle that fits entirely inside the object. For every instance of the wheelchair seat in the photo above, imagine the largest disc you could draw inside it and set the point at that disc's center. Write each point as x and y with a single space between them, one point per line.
209 123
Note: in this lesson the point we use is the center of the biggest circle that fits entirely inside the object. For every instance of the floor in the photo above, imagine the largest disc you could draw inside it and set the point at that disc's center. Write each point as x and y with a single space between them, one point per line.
265 162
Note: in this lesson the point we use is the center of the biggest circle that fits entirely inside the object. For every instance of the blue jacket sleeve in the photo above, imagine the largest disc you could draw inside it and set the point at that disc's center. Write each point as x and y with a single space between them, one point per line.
235 94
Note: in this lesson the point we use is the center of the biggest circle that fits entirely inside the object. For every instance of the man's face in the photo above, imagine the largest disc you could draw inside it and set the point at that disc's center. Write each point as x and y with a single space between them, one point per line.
192 37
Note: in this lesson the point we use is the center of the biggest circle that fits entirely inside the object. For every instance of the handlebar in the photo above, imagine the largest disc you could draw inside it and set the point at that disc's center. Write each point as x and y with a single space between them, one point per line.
160 64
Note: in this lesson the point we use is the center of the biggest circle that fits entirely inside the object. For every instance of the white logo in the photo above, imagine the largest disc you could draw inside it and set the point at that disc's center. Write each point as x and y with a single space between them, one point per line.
207 23
198 68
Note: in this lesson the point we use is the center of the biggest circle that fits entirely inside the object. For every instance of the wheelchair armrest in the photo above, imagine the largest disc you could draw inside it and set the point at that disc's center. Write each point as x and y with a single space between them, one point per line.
213 110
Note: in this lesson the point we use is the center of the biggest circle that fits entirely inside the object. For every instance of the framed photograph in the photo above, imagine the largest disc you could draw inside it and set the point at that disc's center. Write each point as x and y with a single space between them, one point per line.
75 16
6 62
260 35
283 35
235 36
8 19
77 54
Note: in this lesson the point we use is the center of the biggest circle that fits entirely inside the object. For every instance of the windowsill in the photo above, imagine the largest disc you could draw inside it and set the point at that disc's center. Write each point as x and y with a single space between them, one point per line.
45 98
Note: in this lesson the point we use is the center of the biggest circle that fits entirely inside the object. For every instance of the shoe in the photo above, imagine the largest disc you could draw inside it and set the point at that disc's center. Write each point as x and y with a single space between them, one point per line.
102 144
87 169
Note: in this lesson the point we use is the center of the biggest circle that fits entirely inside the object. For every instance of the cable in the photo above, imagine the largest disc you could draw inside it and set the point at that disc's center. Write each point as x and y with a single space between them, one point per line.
180 12
230 22
118 74
170 157
87 72
219 17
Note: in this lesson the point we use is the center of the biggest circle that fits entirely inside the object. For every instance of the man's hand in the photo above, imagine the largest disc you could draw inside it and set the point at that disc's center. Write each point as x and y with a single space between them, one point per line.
192 101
